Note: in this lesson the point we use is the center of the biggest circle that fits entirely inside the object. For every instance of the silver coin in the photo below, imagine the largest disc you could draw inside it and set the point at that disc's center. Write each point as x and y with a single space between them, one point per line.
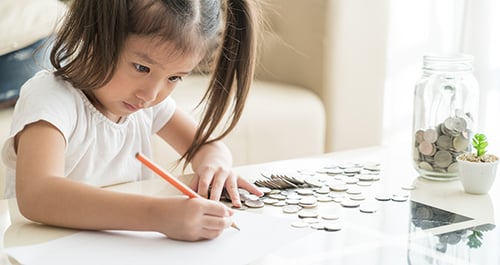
264 190
350 203
425 166
357 197
408 187
372 166
397 198
294 196
305 192
351 180
275 191
323 190
382 197
347 165
277 196
338 199
324 198
455 124
318 226
299 224
314 205
430 135
460 143
321 171
402 193
419 136
442 159
254 203
444 142
331 166
252 197
364 183
333 226
269 201
292 201
280 204
307 214
330 216
353 191
244 195
334 171
309 200
368 207
427 148
364 177
291 209
352 170
453 168
339 187
313 182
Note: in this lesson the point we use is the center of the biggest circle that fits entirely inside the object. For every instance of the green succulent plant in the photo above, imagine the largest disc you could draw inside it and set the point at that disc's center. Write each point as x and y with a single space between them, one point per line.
480 142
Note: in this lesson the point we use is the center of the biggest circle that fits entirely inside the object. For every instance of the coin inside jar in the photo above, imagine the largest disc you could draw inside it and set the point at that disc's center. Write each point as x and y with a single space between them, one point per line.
426 148
430 135
442 159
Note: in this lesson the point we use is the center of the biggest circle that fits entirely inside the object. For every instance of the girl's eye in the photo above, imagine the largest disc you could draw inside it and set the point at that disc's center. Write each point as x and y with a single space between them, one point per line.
175 79
141 68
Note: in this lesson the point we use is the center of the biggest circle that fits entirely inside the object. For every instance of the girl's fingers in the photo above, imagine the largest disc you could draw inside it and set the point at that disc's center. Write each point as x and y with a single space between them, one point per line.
232 190
217 185
243 183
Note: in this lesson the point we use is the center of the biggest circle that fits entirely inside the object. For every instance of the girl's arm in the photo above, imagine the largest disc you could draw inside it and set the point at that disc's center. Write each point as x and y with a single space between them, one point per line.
212 164
45 195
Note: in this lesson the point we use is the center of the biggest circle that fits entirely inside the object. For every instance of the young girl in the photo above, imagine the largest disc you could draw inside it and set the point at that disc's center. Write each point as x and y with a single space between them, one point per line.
78 128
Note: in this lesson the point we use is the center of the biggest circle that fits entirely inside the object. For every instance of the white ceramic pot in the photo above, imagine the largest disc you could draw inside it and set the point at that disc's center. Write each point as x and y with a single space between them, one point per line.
477 178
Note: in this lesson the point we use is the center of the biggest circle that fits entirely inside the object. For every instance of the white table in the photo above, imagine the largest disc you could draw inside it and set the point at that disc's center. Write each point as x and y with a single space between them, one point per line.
392 235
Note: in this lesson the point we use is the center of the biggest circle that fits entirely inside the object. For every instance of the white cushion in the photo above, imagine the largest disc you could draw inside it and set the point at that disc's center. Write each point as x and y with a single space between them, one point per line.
23 22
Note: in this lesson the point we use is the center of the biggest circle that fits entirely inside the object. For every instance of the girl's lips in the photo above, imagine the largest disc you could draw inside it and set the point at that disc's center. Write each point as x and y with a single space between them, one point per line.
130 107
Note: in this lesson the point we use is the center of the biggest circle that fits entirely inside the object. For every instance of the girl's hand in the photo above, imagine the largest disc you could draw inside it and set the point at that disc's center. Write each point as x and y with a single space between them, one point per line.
186 219
216 179
212 168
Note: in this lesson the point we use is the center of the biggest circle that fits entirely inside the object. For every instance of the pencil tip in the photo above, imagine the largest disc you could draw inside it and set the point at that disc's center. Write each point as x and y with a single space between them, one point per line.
233 225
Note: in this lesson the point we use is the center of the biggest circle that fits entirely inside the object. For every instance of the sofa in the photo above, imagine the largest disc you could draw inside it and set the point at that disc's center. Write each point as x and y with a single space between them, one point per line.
318 87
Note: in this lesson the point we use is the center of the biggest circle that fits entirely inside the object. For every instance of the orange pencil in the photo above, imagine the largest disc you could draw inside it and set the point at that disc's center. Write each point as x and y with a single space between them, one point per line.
174 181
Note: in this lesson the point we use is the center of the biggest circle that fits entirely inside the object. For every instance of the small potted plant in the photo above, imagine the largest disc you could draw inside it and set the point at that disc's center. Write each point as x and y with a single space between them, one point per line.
477 170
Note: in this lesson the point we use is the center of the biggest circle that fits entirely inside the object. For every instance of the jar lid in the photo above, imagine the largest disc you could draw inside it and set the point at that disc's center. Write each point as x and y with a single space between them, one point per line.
448 62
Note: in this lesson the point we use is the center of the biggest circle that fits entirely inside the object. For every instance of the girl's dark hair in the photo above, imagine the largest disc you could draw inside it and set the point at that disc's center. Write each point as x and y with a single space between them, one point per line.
87 48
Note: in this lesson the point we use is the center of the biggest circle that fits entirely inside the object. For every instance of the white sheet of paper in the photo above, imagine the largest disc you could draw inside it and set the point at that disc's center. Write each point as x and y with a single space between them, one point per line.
259 235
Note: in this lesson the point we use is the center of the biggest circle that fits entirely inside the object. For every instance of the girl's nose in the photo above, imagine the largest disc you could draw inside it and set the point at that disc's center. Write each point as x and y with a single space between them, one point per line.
149 93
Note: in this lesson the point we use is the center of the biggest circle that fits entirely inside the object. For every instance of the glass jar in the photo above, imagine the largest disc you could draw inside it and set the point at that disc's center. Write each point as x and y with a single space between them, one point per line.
445 107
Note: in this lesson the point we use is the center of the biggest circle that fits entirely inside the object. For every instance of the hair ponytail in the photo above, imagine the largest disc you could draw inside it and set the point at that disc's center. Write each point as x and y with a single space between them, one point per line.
235 61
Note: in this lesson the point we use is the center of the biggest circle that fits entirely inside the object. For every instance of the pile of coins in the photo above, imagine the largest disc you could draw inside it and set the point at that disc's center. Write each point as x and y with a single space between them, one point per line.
436 149
333 187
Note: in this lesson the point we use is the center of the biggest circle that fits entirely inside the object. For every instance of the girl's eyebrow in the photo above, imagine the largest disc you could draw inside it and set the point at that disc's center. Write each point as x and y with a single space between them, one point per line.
151 61
148 59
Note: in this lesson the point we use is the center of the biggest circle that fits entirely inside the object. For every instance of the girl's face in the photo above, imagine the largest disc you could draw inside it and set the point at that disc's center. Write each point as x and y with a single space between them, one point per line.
146 74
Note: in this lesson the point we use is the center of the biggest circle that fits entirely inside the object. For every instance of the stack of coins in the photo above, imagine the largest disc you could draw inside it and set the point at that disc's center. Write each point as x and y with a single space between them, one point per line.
436 149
